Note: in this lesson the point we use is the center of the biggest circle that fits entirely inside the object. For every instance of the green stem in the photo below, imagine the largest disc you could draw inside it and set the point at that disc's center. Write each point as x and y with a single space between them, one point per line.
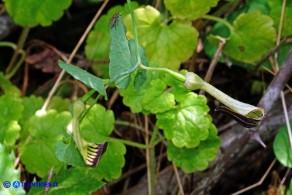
217 19
89 108
153 137
126 123
87 96
77 111
106 81
176 75
157 141
152 164
18 64
20 44
135 31
129 143
8 44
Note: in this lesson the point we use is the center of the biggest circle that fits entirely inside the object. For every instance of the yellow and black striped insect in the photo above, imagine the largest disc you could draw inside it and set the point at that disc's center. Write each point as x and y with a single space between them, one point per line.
113 21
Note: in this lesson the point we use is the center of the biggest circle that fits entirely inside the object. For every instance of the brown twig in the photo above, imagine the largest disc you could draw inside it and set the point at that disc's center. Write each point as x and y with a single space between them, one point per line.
213 62
277 84
257 183
53 90
49 180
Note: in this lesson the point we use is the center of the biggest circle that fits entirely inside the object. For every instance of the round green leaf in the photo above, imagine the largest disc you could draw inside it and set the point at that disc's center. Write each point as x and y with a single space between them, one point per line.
97 124
282 148
30 13
252 37
68 153
49 126
70 181
156 99
151 97
8 172
38 157
11 111
191 159
189 9
165 45
188 123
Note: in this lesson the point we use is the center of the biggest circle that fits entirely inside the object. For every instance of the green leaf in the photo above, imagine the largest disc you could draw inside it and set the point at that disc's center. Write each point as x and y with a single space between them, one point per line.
8 87
8 172
71 181
282 148
260 5
140 78
58 103
165 45
276 6
188 123
98 40
191 159
31 104
111 162
38 157
49 127
219 29
151 97
211 40
9 132
249 28
189 9
157 99
132 97
120 55
97 124
85 77
67 152
46 129
11 108
33 12
258 87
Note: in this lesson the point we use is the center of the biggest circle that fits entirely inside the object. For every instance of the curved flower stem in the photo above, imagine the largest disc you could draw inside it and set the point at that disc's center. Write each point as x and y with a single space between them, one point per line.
217 19
8 44
20 44
176 75
18 64
130 143
126 123
135 31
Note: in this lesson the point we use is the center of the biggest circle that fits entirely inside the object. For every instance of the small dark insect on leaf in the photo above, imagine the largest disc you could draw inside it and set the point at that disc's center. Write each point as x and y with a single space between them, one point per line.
114 20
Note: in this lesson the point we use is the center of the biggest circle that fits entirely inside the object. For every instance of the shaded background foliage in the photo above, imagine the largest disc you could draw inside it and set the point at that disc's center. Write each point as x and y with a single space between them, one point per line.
241 82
